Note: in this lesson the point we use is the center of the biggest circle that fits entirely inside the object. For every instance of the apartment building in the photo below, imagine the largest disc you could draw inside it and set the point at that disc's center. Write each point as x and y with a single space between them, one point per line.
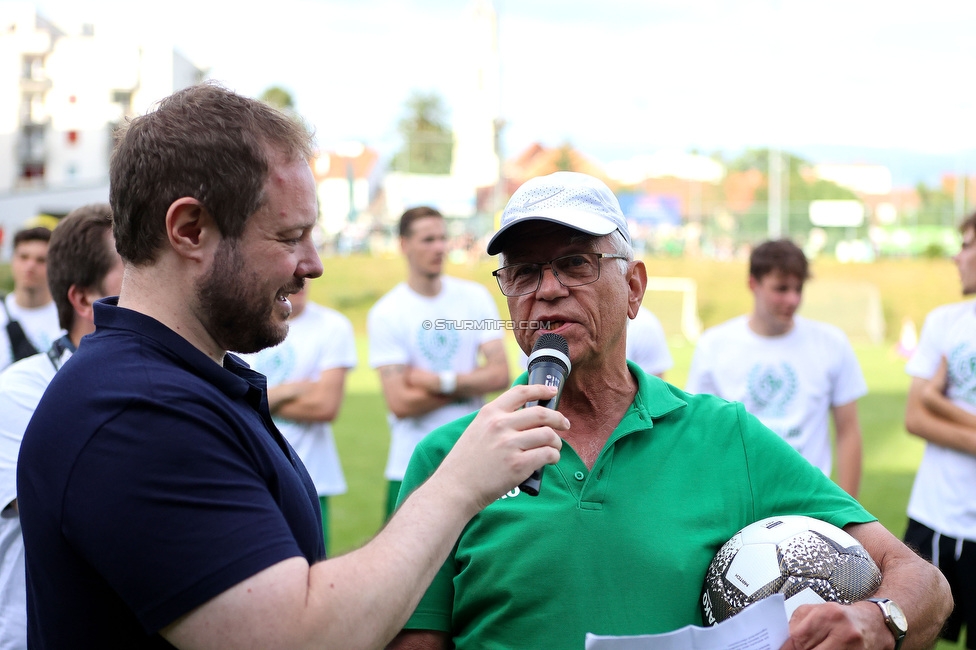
65 90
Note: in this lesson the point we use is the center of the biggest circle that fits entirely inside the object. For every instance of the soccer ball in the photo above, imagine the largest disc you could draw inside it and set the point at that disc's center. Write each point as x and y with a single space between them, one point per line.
805 559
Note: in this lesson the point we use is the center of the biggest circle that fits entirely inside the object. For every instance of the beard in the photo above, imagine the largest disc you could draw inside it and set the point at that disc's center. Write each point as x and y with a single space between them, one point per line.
235 308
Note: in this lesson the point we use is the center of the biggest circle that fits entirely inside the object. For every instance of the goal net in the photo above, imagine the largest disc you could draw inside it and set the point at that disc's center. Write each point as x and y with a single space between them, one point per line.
855 307
675 303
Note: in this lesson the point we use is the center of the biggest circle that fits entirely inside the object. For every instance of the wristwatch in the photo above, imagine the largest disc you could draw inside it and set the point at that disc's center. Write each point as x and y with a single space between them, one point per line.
894 618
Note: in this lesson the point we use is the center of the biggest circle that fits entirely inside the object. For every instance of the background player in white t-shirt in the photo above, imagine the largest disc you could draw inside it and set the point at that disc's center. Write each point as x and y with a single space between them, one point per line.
435 342
789 371
941 409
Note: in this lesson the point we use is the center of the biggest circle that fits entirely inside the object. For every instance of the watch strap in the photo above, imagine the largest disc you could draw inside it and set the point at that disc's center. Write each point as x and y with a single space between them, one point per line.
896 630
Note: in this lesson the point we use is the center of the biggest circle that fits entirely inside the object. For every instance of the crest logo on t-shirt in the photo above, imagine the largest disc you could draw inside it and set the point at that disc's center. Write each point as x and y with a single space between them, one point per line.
277 363
439 346
770 389
961 371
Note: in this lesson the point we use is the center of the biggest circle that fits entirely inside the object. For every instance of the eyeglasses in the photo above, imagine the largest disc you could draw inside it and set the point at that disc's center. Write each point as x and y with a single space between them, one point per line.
570 270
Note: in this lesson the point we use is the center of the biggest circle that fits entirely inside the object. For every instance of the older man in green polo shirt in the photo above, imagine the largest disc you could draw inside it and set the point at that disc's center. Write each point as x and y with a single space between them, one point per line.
651 480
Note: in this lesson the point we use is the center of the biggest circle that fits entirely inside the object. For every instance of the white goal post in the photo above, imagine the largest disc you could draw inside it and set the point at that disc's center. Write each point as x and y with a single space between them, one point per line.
686 319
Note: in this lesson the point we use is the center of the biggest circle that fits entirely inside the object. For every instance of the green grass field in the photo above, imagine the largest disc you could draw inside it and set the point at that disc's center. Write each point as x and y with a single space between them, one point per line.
908 289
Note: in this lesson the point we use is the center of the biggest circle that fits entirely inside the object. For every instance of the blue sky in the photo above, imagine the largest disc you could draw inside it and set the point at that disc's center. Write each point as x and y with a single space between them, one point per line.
615 77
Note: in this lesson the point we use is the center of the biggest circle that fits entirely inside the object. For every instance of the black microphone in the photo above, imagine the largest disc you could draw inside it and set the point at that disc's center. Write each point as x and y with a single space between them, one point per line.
549 365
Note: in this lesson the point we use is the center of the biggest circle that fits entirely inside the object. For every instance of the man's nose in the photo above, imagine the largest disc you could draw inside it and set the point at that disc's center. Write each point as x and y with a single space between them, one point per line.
549 284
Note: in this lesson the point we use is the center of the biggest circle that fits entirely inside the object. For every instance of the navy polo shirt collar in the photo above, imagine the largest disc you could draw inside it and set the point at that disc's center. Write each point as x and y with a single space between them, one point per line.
234 378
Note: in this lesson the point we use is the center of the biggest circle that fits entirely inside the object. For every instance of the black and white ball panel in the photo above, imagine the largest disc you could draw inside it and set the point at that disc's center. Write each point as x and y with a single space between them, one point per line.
805 559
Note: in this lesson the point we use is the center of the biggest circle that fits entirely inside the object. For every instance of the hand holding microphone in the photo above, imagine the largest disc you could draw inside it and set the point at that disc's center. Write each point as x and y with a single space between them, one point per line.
549 365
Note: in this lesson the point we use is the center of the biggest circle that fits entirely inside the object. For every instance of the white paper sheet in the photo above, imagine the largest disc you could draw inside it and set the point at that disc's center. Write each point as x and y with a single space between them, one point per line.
761 626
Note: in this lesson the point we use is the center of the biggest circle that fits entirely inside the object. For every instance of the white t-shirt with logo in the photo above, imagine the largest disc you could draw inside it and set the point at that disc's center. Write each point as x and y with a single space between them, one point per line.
944 493
442 332
319 339
40 324
789 382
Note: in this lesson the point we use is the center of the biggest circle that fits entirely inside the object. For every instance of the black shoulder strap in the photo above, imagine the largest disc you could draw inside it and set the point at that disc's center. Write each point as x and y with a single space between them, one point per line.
57 349
20 347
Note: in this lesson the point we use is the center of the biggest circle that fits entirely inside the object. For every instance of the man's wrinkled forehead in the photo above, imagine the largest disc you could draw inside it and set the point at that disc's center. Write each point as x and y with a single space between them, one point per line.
532 239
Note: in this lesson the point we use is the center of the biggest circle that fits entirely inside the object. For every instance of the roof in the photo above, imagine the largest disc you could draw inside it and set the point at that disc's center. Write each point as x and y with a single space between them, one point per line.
330 164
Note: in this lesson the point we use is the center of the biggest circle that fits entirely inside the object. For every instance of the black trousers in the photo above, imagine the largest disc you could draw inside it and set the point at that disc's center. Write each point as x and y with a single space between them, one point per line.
957 561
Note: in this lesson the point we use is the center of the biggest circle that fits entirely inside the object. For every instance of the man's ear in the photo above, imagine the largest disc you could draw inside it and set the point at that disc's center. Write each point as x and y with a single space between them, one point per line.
190 228
81 300
637 281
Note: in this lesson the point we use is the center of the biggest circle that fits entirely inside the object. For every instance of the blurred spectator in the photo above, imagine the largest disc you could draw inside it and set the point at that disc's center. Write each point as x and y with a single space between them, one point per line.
788 371
426 337
941 409
29 316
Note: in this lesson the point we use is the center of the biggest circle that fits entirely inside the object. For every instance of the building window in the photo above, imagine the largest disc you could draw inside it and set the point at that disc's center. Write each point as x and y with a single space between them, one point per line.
33 66
32 171
30 144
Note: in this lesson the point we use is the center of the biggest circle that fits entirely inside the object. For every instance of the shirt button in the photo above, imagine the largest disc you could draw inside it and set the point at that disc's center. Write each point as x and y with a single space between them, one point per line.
580 476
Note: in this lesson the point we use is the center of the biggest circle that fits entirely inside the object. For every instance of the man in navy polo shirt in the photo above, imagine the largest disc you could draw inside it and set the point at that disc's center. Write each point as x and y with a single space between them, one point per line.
160 505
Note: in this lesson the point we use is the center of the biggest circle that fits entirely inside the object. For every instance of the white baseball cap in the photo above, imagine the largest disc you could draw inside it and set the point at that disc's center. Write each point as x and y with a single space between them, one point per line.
572 199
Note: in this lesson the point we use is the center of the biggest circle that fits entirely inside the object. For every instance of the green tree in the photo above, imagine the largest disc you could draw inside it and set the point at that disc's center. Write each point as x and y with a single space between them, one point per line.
565 161
750 159
936 206
428 143
801 184
279 98
800 187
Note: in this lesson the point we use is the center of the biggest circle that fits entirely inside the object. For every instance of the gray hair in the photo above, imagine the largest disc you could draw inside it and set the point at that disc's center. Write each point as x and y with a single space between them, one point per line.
621 246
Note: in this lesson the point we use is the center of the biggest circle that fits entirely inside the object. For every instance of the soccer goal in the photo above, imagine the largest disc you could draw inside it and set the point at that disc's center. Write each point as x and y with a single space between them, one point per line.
675 303
855 307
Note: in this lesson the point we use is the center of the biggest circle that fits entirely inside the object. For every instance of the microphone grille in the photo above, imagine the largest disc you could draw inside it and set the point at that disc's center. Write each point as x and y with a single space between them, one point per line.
550 343
553 341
